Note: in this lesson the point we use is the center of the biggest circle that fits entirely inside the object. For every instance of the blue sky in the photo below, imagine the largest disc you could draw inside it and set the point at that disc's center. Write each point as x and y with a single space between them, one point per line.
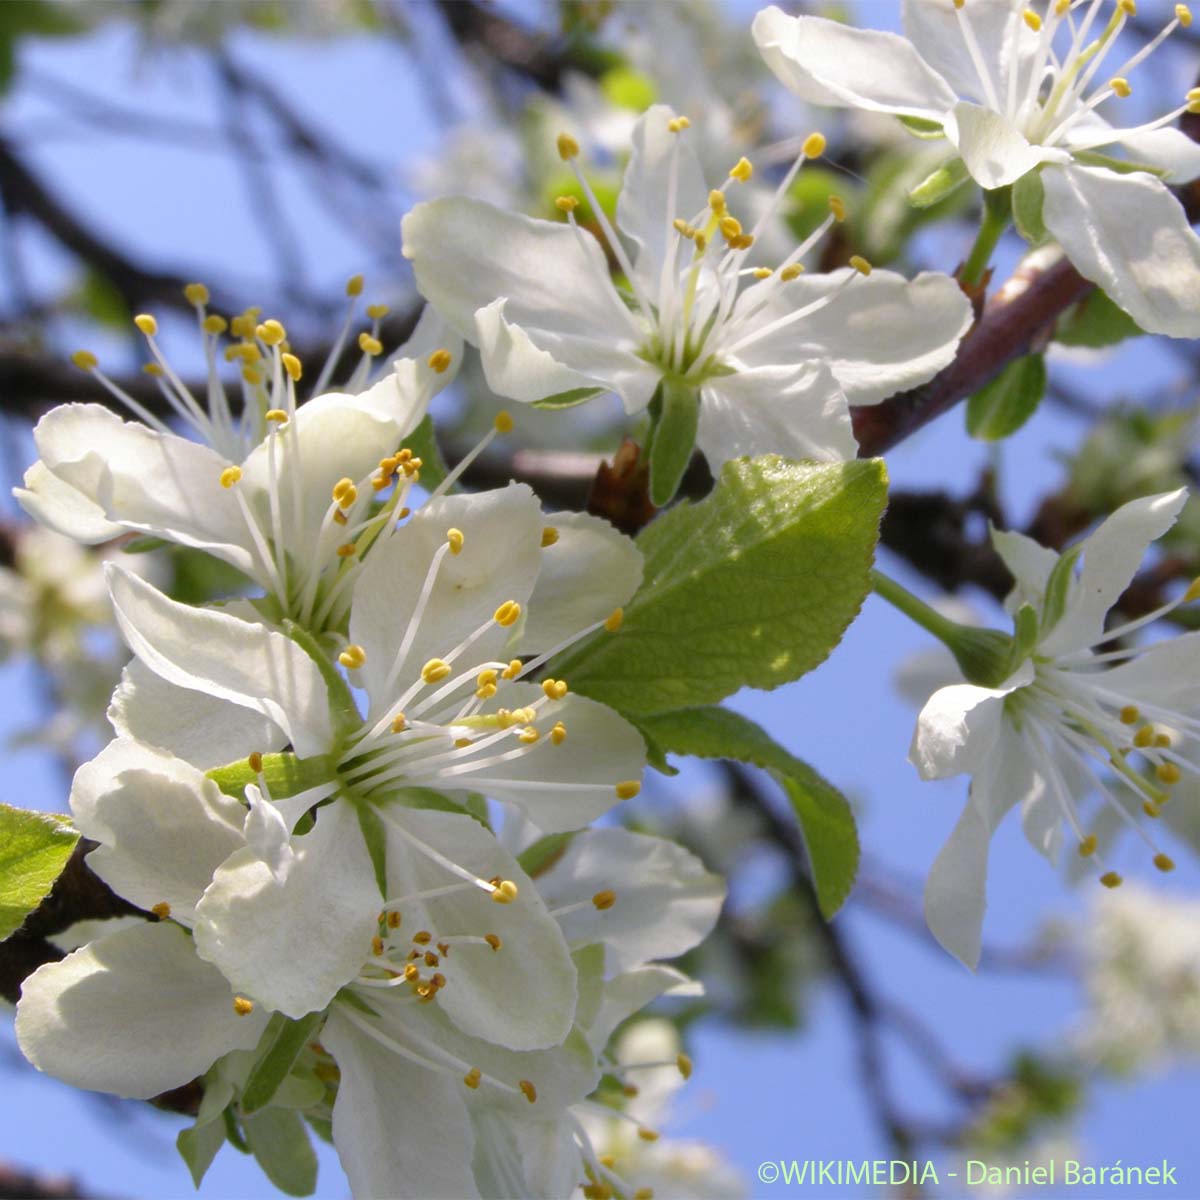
756 1096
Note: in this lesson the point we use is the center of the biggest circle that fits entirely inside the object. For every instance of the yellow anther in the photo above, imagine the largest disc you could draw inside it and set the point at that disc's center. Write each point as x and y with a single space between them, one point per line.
85 360
377 945
604 900
440 360
1193 592
215 324
716 200
377 311
507 614
566 203
763 272
860 264
1164 862
146 323
254 760
549 536
555 689
814 145
472 1077
684 1063
959 3
741 170
837 206
614 619
678 124
486 678
369 345
743 241
1062 7
1032 20
503 422
1183 15
568 147
435 669
1111 879
248 352
412 973
527 1090
1130 714
630 1090
354 285
1167 773
270 333
493 940
454 539
230 476
1088 846
558 734
730 227
275 415
701 243
423 937
404 512
682 228
353 657
647 1135
394 919
512 670
251 376
628 789
153 369
1128 7
431 959
1120 86
791 272
340 518
1151 809
162 910
528 735
293 366
347 550
197 294
341 489
1144 737
1162 740
242 1006
505 892
644 1193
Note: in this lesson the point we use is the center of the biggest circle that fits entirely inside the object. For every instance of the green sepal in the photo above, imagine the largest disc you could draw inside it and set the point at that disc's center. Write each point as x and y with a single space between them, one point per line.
282 1041
375 836
143 544
233 1130
1025 635
354 1000
921 128
280 1144
544 853
1058 588
343 711
285 774
939 184
674 439
1028 199
1122 166
34 848
567 399
983 655
424 445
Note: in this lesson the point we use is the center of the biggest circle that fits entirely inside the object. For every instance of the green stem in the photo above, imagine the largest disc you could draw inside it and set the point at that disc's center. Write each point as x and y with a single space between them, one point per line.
914 607
996 215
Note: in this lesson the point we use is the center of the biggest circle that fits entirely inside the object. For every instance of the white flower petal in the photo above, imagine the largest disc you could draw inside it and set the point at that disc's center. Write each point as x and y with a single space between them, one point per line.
204 730
666 902
1169 150
1166 674
400 1130
292 944
1030 563
955 891
1111 558
1130 236
539 1160
502 538
629 993
134 1013
225 657
959 726
567 786
880 335
826 62
521 996
55 503
268 835
995 151
416 381
590 570
799 412
163 828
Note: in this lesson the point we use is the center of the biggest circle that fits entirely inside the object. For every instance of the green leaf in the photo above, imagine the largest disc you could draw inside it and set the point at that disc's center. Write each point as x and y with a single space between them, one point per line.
280 1144
751 587
673 440
283 1041
1095 322
198 1145
34 848
828 826
424 445
1028 199
567 399
1001 407
626 88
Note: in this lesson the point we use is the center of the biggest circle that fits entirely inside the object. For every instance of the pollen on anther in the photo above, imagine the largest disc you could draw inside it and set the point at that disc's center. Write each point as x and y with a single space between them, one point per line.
230 476
162 910
604 899
435 669
293 366
394 919
794 271
493 940
472 1077
1167 773
716 200
1162 740
254 760
377 945
742 170
454 539
527 1090
628 789
860 264
1032 20
505 892
352 657
1183 15
648 1135
422 937
507 614
354 285
197 294
549 536
1087 847
1130 714
814 145
242 1006
555 689
529 735
85 360
512 670
678 124
644 1193
684 1063
347 550
1111 879
270 332
568 147
399 723
1120 86
1144 737
215 324
1151 809
614 619
440 360
558 734
146 324
566 203
369 345
503 421
1164 862
837 206
763 272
